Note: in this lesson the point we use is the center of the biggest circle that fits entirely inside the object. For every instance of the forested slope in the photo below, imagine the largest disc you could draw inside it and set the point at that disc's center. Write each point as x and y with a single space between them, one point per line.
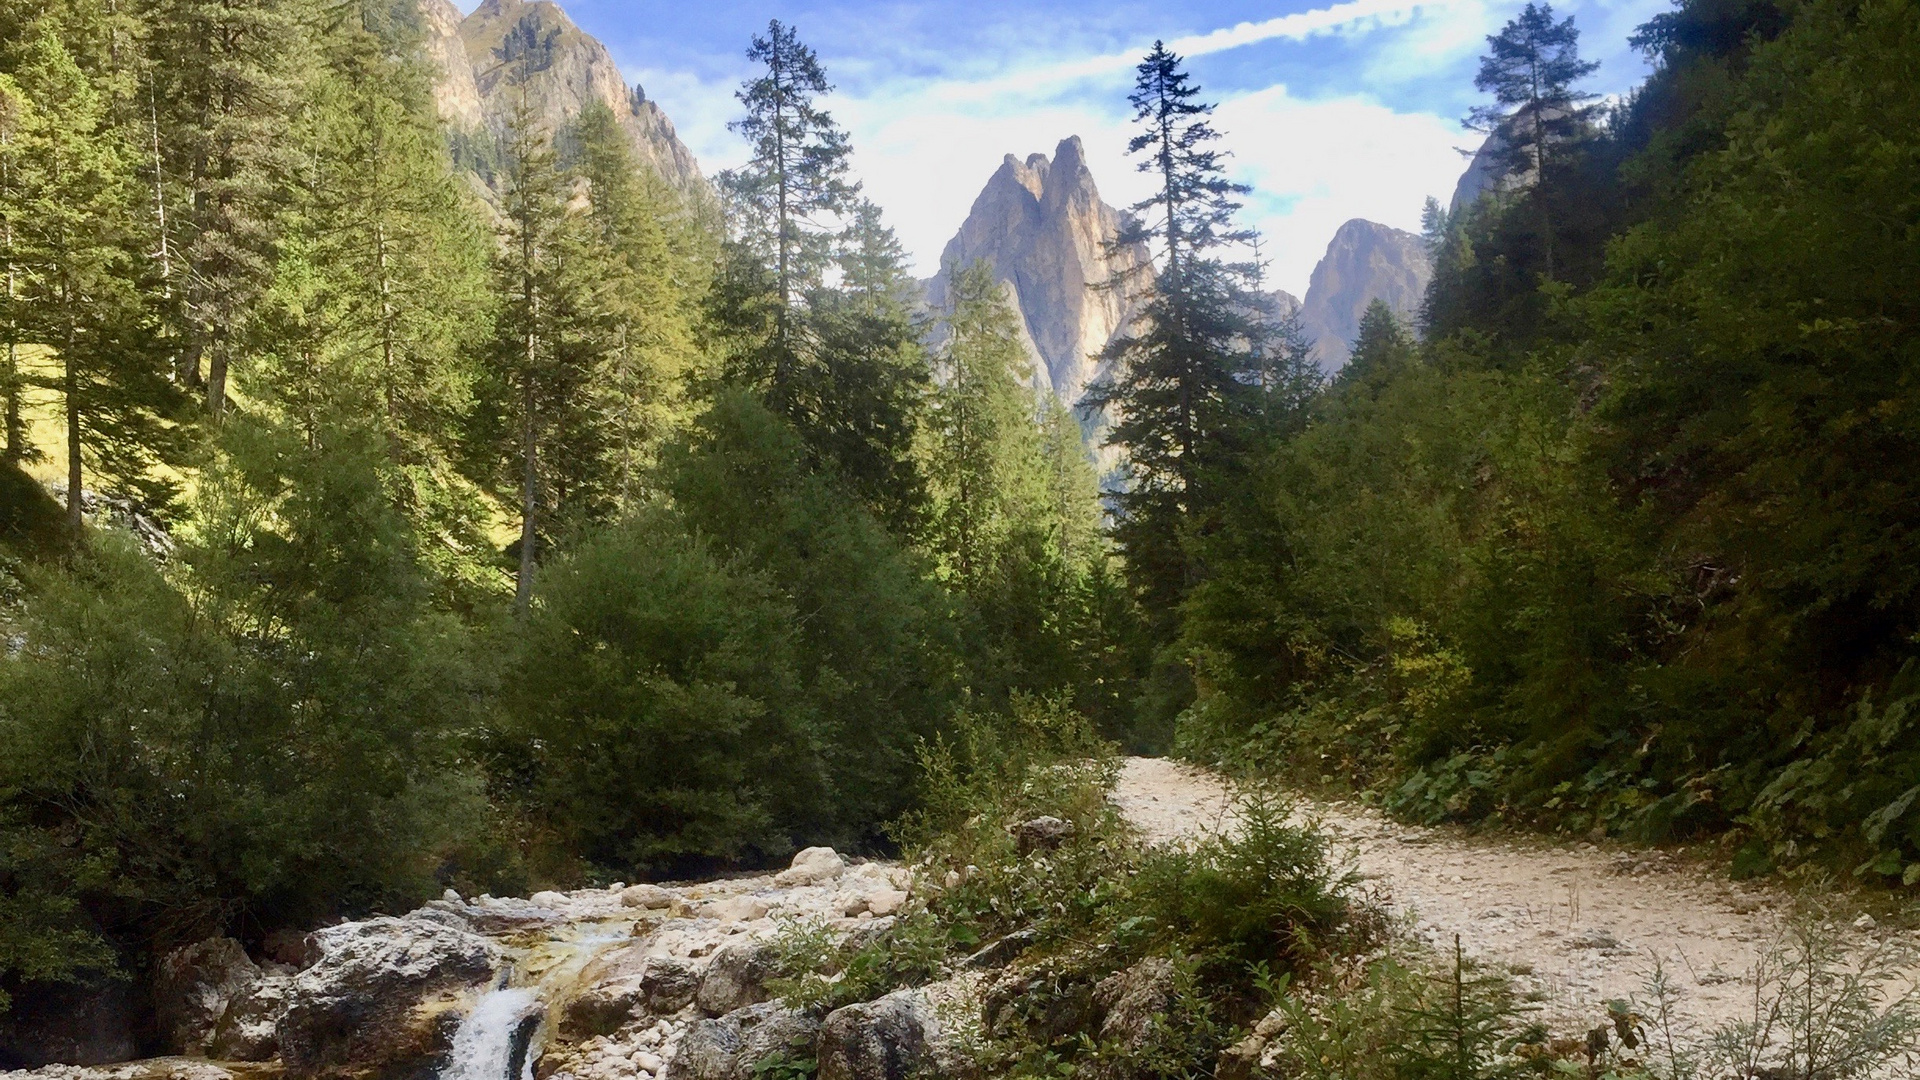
1623 543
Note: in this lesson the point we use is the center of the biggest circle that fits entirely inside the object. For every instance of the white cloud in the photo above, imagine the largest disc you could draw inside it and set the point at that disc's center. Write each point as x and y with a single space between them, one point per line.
1315 164
925 146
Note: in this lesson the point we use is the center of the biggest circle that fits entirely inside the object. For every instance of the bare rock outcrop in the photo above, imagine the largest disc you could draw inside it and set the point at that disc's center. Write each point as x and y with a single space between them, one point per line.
471 89
1041 225
1365 261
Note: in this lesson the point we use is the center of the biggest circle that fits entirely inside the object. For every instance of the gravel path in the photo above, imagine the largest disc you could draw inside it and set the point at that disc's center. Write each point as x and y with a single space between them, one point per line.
1577 925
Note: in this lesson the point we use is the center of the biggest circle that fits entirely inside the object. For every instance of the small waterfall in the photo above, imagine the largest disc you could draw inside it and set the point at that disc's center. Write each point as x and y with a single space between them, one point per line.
493 1041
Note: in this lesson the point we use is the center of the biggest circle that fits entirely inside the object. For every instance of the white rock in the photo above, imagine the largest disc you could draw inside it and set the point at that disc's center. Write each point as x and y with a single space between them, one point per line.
811 867
648 1062
1864 922
548 898
885 901
738 909
645 896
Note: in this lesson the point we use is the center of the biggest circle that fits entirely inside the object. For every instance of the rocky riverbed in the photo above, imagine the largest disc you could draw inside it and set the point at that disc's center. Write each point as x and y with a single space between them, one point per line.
630 982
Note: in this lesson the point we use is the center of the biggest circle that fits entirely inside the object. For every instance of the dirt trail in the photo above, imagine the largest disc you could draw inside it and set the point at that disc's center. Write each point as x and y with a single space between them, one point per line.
1577 925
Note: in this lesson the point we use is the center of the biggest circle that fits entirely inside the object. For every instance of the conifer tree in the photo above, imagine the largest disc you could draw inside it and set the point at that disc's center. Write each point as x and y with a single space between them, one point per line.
789 196
980 429
82 291
225 74
1382 347
644 294
14 106
1530 68
541 362
1179 383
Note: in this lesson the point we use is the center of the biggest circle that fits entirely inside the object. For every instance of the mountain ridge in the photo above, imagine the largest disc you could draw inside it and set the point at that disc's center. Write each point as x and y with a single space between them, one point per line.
470 82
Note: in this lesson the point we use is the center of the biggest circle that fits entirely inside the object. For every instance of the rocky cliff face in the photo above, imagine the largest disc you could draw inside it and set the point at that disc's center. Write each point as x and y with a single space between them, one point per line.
1365 261
473 95
1041 225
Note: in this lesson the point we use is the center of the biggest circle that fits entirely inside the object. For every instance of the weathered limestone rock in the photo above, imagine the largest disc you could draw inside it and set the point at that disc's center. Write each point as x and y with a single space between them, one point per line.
729 1047
650 897
1041 225
192 987
250 1028
812 866
885 1039
473 91
736 977
668 984
369 1001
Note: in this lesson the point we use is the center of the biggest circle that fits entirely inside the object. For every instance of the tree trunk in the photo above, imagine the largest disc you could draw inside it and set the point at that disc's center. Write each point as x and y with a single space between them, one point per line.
529 500
217 381
72 388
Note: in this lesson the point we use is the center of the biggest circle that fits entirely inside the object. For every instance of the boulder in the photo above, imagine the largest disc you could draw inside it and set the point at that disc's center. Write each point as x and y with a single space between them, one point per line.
736 909
668 984
377 996
812 866
885 1039
250 1028
601 1009
192 987
885 901
645 896
736 977
1131 1000
730 1047
548 899
1040 834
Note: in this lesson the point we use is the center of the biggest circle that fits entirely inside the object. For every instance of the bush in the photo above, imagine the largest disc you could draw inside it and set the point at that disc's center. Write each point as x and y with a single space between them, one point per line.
653 705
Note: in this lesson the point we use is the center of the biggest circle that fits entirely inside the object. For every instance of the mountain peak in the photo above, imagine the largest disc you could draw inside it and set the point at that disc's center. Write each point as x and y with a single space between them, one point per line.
575 71
1040 223
1365 261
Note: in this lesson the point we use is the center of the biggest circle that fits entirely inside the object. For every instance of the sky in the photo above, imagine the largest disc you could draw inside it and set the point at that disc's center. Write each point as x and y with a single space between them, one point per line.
1330 110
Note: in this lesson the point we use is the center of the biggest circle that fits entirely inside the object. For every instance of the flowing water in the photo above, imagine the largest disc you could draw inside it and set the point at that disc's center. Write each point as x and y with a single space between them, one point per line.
494 1041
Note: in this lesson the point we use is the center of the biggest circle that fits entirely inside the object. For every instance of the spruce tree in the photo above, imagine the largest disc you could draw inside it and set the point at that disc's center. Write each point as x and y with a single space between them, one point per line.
1530 68
980 429
644 283
1178 386
14 106
81 295
540 364
787 199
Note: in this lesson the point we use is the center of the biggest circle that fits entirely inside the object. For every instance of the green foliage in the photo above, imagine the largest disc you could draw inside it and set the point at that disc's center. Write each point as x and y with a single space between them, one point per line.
1263 892
264 733
875 649
1623 543
644 647
823 971
1405 1018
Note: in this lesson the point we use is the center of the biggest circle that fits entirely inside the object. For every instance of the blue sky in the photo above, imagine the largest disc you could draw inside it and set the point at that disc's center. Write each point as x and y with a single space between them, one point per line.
1332 110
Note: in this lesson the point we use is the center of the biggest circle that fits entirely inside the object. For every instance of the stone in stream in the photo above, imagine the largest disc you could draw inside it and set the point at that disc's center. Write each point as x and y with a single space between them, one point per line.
813 866
192 988
383 994
736 1046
